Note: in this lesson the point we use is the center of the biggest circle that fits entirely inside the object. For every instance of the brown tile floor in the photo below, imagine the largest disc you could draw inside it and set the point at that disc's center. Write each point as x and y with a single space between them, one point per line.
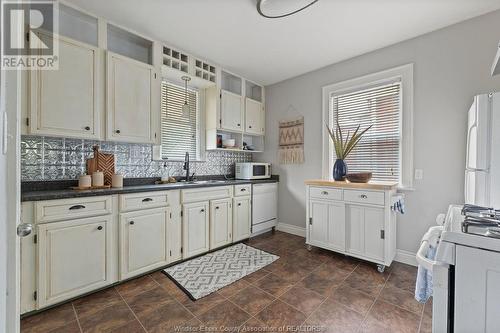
331 292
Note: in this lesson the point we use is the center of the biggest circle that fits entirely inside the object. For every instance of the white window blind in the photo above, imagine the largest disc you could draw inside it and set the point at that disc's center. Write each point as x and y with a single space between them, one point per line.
379 151
178 133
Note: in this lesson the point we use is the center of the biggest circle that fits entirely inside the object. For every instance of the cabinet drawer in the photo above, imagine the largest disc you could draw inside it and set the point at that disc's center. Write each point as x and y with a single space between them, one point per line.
325 193
138 201
68 209
204 194
368 197
241 190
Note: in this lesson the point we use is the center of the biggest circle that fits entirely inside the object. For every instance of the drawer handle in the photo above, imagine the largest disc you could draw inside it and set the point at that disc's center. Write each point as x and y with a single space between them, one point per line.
99 227
363 196
75 207
131 222
147 200
324 193
243 189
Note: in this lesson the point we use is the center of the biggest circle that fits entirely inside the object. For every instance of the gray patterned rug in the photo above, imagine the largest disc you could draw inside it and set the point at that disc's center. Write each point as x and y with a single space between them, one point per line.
204 275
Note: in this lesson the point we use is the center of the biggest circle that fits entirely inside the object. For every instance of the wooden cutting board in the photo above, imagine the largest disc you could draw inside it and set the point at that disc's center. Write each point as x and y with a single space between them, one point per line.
102 162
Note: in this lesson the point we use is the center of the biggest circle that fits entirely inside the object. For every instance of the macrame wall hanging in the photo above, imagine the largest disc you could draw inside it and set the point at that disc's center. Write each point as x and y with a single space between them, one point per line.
291 141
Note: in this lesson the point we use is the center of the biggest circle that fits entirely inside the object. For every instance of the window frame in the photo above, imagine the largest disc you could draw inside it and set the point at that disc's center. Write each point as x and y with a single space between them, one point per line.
200 123
402 73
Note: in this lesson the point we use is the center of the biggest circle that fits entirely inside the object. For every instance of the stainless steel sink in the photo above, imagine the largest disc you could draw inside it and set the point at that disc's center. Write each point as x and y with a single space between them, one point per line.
212 181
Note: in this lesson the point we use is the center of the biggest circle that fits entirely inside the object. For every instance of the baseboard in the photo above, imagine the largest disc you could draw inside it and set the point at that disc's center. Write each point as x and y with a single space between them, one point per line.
403 256
406 257
291 229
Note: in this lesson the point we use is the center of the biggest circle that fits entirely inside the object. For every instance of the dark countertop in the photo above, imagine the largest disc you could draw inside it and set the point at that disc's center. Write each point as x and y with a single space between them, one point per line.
48 190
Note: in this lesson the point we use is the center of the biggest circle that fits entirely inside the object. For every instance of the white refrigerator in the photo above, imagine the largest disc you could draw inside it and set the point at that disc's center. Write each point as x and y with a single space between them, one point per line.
482 170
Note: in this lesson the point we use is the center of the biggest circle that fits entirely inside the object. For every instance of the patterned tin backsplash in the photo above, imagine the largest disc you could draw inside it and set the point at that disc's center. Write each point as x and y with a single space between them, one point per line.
46 158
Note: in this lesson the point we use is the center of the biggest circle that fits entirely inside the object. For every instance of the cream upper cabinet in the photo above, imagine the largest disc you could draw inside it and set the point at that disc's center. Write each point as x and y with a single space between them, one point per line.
132 100
242 218
221 222
143 241
74 257
231 111
65 102
196 226
254 117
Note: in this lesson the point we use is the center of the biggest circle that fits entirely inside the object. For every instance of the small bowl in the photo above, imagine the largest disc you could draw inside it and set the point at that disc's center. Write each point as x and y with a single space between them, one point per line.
229 143
361 177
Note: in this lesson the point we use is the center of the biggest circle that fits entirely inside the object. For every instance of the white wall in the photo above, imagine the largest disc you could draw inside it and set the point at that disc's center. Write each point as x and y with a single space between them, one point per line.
450 67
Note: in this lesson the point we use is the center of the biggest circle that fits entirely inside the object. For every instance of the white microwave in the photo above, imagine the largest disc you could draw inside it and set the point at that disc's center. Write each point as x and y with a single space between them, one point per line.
253 170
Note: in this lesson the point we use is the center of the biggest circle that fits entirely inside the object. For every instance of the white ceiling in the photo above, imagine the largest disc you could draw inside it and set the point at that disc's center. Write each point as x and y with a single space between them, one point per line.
232 34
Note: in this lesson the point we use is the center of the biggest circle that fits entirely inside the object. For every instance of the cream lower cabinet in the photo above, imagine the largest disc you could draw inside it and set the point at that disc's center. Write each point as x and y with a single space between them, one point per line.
174 234
242 217
74 257
327 224
221 222
143 241
196 226
352 220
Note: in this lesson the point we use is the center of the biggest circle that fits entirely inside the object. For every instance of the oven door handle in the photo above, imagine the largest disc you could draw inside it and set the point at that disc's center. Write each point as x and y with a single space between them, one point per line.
422 259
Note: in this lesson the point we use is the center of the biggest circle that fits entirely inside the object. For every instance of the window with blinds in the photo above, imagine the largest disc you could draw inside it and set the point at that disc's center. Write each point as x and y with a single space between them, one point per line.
379 151
179 134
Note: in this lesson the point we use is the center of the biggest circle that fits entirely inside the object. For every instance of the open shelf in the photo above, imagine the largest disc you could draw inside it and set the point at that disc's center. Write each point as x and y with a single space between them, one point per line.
130 45
205 70
175 59
231 83
253 91
77 25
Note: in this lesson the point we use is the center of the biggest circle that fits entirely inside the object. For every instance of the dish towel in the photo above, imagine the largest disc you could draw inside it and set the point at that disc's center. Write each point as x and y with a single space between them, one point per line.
423 287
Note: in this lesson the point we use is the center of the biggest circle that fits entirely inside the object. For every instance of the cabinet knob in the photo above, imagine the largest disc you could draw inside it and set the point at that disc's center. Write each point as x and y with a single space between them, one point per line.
249 126
216 207
239 203
363 196
202 211
243 189
238 125
87 128
117 131
324 193
99 227
132 222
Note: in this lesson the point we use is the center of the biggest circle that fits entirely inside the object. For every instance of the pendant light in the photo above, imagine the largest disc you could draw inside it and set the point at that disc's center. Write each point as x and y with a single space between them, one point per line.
185 108
282 8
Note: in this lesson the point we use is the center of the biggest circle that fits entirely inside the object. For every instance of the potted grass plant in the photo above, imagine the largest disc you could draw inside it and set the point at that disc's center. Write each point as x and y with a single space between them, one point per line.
343 145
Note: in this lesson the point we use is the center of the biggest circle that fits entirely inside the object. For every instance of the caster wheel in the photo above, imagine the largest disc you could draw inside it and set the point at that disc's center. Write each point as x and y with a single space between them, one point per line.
380 268
273 230
309 247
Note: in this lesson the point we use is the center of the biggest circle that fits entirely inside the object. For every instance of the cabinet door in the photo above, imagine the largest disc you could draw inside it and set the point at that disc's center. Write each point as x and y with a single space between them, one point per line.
254 122
477 290
196 237
365 226
221 223
143 241
231 111
131 86
242 217
174 235
327 225
64 102
74 258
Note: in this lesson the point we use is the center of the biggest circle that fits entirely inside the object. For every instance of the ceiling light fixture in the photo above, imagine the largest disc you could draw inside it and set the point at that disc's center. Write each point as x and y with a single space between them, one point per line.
282 8
185 107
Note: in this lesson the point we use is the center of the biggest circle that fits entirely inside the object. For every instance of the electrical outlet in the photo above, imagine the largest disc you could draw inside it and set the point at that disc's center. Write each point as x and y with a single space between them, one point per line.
419 174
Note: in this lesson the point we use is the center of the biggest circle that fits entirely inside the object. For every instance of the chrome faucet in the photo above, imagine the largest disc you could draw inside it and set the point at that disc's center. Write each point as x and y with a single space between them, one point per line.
186 165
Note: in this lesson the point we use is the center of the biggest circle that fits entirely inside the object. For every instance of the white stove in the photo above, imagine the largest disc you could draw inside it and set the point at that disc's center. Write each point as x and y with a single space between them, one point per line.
466 277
